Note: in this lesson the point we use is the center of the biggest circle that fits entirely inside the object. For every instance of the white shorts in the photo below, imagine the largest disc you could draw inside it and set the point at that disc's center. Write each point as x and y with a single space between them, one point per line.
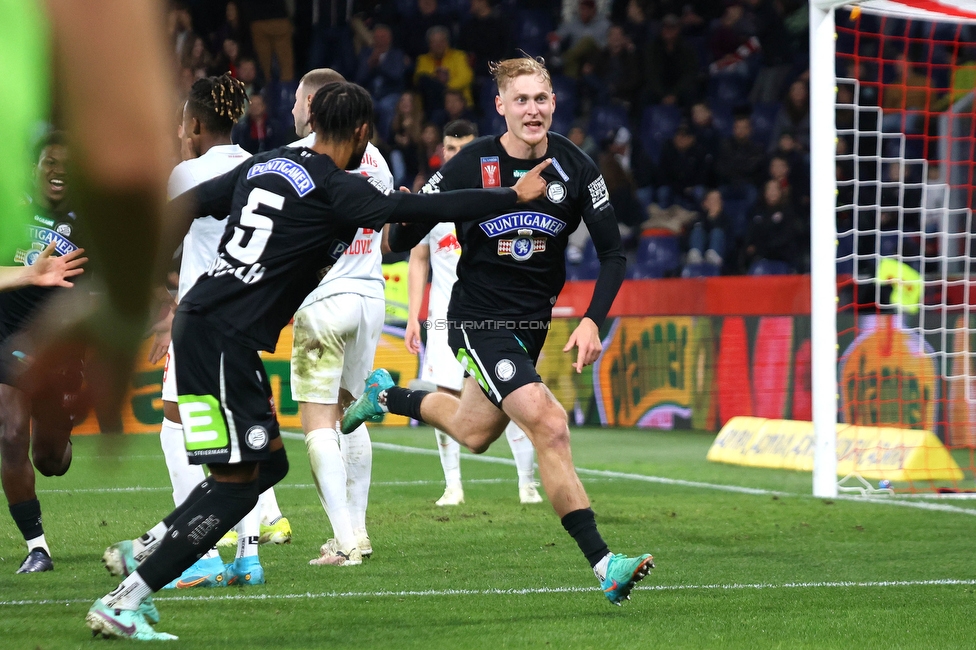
440 366
334 342
169 377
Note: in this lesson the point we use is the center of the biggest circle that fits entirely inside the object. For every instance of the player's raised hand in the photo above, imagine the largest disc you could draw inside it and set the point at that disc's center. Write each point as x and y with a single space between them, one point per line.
49 271
532 185
586 337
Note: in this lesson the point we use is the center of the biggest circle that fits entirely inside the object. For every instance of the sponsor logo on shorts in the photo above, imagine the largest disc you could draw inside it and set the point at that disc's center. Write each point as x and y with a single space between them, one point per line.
295 174
556 192
504 370
490 173
256 437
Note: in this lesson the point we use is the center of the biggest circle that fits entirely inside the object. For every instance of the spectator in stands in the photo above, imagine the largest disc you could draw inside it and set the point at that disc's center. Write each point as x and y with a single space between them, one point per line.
271 35
382 70
232 28
777 59
706 241
905 98
180 27
257 131
581 37
226 59
740 161
577 135
613 73
799 174
683 171
670 67
432 143
614 162
247 73
442 67
794 116
772 233
485 36
195 56
405 143
453 109
637 24
414 29
703 126
727 35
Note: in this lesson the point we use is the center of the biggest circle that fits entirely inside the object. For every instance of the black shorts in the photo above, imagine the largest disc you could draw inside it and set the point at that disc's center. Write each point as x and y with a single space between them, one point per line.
223 393
500 359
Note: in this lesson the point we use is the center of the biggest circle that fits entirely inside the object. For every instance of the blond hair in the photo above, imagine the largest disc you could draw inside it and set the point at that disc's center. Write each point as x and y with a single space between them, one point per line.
504 71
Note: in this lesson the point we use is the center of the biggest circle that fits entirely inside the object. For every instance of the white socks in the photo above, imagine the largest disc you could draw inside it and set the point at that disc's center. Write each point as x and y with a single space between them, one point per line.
129 594
450 452
600 570
329 473
182 474
357 457
270 512
248 532
38 542
524 454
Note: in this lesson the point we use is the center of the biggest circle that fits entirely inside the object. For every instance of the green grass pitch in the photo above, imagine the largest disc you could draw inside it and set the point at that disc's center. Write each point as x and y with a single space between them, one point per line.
735 570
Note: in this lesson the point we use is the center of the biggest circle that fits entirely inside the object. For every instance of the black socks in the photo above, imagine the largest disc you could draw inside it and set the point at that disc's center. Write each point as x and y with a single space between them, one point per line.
581 524
27 516
197 529
402 401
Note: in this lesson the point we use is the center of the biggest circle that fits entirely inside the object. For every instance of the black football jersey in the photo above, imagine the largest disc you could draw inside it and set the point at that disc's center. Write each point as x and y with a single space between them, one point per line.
45 227
512 262
290 214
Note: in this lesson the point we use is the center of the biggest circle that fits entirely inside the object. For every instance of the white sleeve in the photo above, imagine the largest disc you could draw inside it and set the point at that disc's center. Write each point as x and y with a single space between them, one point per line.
180 180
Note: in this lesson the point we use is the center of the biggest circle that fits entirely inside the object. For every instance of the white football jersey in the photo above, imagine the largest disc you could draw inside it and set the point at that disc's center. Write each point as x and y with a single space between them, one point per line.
201 242
445 251
360 268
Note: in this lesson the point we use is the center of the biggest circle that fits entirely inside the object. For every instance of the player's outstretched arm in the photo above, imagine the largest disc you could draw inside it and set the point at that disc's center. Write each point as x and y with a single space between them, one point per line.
46 271
467 205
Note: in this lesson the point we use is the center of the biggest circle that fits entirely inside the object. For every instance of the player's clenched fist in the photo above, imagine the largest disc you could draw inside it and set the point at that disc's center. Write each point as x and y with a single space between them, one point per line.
532 185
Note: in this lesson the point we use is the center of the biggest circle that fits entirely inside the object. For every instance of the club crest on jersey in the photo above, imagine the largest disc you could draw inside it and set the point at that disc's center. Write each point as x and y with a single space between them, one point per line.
448 243
514 221
555 191
491 175
522 247
296 175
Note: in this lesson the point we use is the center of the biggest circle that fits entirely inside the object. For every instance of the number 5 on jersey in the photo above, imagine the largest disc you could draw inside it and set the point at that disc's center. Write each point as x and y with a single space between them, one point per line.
248 242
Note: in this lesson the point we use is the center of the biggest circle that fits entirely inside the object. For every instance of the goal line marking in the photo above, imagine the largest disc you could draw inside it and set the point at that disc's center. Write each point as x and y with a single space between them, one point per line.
949 582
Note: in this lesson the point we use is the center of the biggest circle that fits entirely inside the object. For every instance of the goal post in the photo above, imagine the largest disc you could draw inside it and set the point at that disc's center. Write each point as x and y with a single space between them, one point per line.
823 237
892 150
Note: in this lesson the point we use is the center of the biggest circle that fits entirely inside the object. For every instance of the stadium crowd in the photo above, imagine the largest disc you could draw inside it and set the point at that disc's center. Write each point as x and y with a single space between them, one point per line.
696 113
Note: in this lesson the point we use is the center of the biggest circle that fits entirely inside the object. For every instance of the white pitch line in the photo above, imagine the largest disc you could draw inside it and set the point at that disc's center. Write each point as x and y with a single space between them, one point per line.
303 486
947 582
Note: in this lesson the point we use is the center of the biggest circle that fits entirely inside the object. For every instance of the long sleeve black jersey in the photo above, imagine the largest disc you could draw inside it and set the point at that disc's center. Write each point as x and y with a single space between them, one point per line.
290 214
512 262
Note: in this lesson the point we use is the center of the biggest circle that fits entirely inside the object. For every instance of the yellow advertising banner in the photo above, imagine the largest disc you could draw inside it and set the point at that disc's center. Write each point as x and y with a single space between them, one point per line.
142 410
872 452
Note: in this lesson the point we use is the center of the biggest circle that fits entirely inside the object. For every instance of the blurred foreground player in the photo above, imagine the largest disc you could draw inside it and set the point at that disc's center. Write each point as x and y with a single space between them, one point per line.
440 251
511 270
291 213
37 428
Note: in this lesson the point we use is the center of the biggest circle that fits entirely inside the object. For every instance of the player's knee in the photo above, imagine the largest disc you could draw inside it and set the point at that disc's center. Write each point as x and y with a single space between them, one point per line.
478 447
553 431
51 463
273 470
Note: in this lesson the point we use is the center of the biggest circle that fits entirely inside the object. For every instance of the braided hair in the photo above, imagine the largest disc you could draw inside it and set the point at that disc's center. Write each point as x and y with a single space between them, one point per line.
339 109
218 102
